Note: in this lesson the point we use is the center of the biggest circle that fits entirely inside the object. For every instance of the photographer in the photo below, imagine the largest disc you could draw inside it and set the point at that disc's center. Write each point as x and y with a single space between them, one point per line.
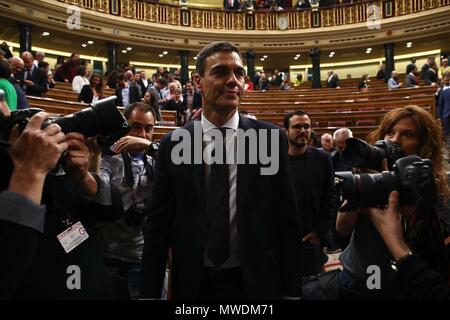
415 131
130 169
34 153
67 261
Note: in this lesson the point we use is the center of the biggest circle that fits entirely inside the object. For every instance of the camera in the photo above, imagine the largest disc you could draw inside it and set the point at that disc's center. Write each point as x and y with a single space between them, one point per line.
101 118
360 154
152 151
412 177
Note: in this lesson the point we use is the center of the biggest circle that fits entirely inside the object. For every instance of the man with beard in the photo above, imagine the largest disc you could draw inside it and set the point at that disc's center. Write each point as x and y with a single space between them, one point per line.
313 180
393 81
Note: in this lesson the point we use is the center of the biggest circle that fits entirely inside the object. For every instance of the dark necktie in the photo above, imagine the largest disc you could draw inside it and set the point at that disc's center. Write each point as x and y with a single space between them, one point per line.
218 212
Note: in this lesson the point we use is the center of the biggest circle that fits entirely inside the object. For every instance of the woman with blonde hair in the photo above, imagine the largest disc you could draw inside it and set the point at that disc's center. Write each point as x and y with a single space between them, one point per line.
416 132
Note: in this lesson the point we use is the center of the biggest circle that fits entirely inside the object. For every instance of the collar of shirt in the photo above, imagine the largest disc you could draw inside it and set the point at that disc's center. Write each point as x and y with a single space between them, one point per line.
233 123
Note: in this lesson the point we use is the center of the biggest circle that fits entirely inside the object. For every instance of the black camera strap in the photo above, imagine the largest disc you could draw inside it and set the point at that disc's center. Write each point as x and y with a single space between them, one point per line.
129 178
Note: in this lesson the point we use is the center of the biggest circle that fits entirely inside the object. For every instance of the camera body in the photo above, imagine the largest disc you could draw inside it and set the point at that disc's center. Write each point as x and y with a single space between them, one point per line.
360 154
412 177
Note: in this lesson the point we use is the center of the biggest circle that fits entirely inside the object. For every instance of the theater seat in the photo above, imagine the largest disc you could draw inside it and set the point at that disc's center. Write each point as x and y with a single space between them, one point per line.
362 123
338 124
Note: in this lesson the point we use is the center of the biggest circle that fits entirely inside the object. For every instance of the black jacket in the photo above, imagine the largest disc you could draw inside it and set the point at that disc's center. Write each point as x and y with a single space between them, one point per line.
38 77
196 103
267 220
314 184
416 280
133 94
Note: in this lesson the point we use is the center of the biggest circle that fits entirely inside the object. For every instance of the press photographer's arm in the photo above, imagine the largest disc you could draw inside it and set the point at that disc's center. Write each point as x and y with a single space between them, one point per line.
33 153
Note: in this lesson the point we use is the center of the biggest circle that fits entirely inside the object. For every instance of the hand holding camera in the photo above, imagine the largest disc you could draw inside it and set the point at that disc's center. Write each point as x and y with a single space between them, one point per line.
34 153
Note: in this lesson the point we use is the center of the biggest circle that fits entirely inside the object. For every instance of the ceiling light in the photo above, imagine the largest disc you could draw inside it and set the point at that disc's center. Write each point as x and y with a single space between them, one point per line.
298 55
262 59
332 53
45 34
265 56
295 58
129 48
408 44
195 58
84 45
165 52
124 51
160 55
369 49
90 42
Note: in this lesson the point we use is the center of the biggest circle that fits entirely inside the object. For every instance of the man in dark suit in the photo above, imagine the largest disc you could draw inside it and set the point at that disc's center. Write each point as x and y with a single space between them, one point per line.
191 99
333 80
251 248
143 82
33 80
312 170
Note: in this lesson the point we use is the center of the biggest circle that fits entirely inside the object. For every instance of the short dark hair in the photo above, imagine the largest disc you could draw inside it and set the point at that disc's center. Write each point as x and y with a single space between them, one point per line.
288 117
211 48
141 106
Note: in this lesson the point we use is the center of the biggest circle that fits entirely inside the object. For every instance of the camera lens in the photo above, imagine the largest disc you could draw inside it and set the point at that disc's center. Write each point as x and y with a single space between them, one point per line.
366 189
360 154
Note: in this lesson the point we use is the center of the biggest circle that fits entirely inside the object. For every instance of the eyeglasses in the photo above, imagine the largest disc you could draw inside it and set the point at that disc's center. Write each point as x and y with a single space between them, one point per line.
299 126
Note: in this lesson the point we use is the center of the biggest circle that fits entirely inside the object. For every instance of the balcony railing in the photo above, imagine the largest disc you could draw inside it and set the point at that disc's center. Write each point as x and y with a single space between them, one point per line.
371 12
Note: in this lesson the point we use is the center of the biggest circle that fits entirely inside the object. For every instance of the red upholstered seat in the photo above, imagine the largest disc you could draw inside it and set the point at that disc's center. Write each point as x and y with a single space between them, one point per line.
361 123
336 123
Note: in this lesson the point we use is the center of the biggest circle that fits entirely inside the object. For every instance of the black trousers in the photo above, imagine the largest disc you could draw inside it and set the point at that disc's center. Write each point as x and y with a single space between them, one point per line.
222 284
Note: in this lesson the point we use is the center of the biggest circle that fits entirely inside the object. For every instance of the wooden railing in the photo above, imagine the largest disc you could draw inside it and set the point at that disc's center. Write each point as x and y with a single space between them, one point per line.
258 20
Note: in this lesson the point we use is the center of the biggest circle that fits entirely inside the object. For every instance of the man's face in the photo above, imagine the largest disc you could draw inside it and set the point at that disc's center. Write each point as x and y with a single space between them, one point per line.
299 131
141 124
40 57
447 80
16 67
28 61
76 57
327 143
188 87
223 81
143 75
147 97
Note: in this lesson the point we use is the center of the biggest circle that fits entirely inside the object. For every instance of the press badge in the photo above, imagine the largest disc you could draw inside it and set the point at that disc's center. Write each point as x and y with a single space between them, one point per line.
72 236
